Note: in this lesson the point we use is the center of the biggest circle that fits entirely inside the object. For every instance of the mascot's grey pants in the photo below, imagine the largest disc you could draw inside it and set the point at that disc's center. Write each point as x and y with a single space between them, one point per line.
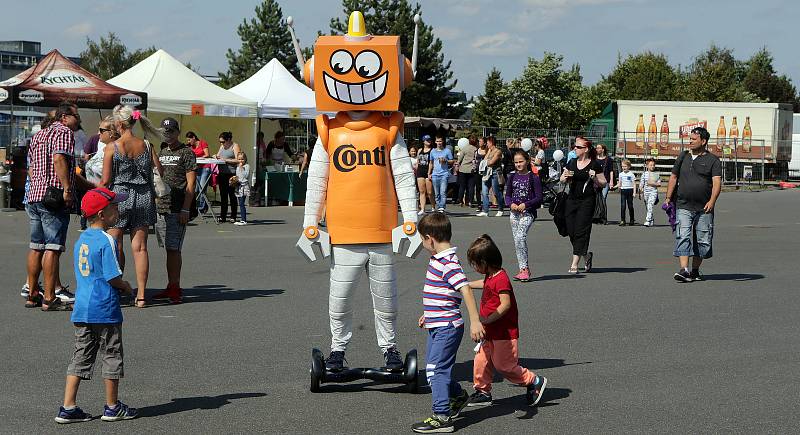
347 262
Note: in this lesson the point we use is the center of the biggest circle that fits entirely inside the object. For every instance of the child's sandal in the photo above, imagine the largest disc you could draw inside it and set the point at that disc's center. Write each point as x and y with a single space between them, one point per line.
142 305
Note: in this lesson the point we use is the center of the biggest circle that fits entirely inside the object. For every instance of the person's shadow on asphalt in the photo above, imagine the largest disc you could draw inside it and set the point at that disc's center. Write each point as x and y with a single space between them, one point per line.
182 404
216 293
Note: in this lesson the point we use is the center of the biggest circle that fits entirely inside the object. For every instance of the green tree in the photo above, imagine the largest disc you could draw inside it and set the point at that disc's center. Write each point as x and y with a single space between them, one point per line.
264 37
486 110
715 75
644 76
761 79
109 57
544 96
594 99
429 94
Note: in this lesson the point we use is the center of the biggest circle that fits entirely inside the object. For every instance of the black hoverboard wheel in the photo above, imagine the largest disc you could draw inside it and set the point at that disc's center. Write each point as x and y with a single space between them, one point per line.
317 370
411 372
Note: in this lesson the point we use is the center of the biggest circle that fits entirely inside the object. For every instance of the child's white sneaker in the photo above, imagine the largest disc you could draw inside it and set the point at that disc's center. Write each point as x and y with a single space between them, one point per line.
240 223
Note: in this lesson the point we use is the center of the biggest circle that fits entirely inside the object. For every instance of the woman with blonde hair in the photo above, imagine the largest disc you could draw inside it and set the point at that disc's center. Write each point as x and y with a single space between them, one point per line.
128 165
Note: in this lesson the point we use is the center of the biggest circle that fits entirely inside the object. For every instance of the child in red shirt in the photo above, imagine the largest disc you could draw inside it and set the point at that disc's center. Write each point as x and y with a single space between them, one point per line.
498 314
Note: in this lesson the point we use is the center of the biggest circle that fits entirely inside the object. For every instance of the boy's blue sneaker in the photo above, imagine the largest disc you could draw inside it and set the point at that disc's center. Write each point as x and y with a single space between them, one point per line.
119 412
458 403
535 390
434 424
74 415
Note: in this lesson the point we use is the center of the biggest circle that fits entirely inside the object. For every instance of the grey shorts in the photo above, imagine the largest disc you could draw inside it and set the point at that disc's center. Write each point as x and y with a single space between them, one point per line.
91 338
170 232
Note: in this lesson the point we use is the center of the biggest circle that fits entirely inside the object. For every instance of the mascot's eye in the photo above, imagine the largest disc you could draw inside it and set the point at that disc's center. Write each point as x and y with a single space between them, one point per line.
368 64
341 61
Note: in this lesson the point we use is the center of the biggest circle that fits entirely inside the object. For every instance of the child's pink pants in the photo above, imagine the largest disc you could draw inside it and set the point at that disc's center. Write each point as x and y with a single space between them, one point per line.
500 355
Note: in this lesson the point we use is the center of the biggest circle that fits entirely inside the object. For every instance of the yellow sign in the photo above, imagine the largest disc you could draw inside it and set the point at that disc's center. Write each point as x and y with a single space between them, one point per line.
727 151
654 152
294 113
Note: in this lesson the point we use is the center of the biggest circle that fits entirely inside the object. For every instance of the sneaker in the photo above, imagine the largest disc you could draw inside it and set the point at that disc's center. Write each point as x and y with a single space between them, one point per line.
647 224
479 398
421 212
65 295
482 213
434 424
696 275
393 360
240 223
74 415
440 210
26 290
499 213
523 275
458 403
119 412
335 361
683 275
535 390
622 223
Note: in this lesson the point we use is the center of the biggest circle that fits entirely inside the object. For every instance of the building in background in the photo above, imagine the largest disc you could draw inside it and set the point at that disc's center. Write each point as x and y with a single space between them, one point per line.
17 56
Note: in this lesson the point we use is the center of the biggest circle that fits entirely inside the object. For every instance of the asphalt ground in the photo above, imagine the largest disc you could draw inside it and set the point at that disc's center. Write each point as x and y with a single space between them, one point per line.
626 349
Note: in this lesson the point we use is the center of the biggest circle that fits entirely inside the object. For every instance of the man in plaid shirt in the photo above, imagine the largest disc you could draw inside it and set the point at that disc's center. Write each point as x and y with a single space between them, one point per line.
51 155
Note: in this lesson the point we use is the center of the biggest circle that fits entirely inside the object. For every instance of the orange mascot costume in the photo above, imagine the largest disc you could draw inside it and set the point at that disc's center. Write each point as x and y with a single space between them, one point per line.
359 171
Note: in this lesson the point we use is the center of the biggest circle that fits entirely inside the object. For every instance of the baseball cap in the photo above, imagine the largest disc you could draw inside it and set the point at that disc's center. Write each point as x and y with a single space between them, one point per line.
170 124
427 137
98 198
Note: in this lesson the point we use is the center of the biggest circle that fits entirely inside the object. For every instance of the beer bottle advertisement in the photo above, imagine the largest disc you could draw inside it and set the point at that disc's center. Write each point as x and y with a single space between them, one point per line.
652 132
664 139
747 135
721 134
734 134
640 132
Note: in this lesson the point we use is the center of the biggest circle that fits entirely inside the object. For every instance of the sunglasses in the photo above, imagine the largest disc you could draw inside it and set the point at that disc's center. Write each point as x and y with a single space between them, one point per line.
580 147
103 130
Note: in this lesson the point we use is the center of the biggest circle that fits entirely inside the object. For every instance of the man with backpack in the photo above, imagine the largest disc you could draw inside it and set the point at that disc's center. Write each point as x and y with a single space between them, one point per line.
695 182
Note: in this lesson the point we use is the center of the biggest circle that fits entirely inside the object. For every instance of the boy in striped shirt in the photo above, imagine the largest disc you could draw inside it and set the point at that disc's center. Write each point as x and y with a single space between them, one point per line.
445 285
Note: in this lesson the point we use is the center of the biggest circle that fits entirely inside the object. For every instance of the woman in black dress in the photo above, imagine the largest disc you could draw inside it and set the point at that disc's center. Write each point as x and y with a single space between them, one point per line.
584 175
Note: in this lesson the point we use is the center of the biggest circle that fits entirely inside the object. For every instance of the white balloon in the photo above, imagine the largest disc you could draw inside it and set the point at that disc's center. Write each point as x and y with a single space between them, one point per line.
558 155
527 144
463 142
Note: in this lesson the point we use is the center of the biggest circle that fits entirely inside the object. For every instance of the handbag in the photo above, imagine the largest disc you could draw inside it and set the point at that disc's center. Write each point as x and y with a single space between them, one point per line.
600 210
53 199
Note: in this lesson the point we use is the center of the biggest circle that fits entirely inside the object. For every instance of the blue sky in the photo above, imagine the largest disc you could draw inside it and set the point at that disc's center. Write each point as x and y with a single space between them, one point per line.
477 34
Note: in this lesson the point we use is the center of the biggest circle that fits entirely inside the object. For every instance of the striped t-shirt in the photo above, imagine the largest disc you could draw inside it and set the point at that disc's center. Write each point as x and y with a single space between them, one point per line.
440 297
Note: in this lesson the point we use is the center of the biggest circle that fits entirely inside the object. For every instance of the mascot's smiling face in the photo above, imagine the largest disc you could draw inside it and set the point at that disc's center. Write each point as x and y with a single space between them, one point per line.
362 74
367 65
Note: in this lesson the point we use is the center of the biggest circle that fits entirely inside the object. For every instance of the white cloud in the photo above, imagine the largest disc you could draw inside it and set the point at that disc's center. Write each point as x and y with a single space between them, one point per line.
148 33
79 29
448 33
566 4
499 44
188 55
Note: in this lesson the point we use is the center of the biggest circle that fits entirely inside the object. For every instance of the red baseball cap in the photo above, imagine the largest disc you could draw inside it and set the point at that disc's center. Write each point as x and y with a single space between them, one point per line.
97 199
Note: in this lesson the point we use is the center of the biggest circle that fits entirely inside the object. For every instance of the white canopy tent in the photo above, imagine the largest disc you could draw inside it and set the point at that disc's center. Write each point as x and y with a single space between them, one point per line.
278 93
174 88
199 105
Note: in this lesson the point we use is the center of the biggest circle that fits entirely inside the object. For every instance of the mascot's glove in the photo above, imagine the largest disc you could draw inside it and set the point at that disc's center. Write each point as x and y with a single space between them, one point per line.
313 236
406 235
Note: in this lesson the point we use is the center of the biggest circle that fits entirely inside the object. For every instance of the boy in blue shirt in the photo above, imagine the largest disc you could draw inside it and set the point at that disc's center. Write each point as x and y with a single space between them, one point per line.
439 171
97 315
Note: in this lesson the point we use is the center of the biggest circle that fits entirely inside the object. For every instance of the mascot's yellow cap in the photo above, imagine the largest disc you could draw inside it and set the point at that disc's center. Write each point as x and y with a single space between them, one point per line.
356 25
